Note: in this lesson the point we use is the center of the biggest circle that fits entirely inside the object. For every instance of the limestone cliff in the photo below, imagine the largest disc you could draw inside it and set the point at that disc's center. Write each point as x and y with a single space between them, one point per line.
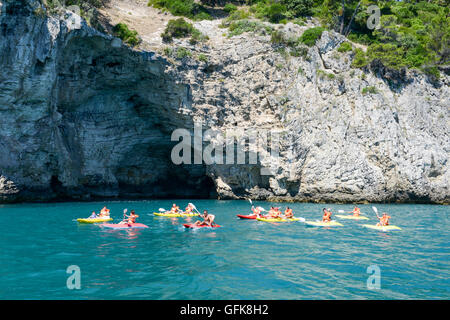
84 116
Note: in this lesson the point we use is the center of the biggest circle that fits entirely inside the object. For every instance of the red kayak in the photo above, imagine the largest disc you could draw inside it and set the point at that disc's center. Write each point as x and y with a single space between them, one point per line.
251 216
123 226
193 226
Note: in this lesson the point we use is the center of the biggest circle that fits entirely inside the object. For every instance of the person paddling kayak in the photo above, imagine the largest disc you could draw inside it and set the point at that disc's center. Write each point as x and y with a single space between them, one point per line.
384 219
274 212
104 212
93 215
288 213
188 209
256 211
129 219
326 215
356 212
174 208
208 219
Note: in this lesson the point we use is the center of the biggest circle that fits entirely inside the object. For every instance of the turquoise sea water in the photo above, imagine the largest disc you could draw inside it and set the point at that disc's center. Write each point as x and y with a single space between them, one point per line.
244 259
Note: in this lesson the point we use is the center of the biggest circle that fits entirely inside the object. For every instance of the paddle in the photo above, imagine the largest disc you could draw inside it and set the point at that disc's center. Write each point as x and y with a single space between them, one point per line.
376 211
124 215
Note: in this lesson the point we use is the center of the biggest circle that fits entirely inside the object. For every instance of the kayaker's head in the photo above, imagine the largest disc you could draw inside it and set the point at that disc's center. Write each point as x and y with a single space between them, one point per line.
384 214
132 212
205 212
174 205
324 209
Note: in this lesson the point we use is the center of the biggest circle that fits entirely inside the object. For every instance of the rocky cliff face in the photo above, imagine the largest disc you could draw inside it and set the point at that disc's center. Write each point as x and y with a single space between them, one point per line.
84 116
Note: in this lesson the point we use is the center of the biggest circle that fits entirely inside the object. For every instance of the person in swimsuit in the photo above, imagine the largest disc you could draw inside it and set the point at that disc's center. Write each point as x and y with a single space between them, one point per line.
174 208
326 215
129 219
384 219
93 215
189 209
256 211
288 213
104 212
356 212
272 212
208 219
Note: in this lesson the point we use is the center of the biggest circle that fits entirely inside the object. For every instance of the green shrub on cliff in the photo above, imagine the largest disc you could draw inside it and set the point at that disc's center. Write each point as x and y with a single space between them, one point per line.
311 35
359 59
121 31
230 8
269 10
241 26
345 47
370 89
180 28
185 8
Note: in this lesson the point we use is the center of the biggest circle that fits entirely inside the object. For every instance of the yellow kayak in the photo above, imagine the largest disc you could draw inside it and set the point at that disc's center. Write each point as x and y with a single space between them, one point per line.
352 217
323 224
175 215
94 220
277 219
382 228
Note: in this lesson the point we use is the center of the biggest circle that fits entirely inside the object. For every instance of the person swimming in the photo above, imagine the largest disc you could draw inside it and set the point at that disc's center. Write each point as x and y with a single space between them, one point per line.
208 219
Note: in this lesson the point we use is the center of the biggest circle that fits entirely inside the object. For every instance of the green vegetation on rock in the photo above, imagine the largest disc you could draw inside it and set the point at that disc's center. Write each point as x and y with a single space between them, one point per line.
241 26
370 89
180 28
411 34
311 35
128 36
185 8
345 47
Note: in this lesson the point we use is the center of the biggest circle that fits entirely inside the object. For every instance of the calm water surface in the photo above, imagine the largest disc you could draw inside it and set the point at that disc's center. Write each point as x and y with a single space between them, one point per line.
244 259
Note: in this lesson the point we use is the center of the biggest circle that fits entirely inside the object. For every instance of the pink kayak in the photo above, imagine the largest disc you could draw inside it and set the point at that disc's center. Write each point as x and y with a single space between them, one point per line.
251 216
193 226
123 226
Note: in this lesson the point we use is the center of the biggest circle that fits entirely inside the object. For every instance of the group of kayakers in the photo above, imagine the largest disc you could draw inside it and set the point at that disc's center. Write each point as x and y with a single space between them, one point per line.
384 219
274 213
104 213
176 209
208 219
